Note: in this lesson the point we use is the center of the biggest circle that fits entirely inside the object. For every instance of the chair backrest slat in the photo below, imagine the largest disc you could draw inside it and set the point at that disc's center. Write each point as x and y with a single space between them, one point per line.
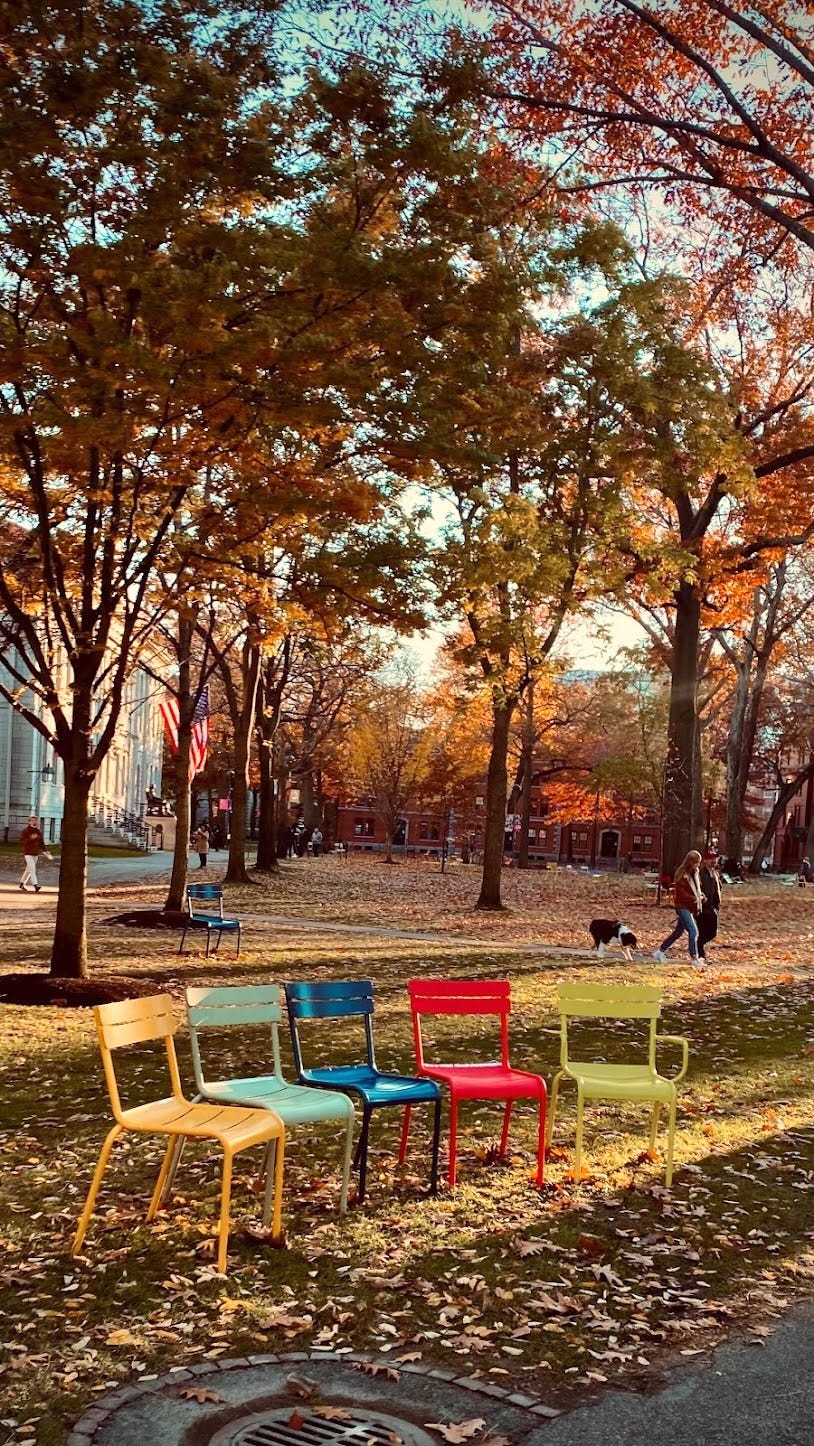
224 1006
610 1001
134 1020
204 894
330 999
460 996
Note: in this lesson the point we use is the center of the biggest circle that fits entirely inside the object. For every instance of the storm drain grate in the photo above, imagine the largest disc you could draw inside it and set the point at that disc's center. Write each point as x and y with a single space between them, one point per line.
271 1428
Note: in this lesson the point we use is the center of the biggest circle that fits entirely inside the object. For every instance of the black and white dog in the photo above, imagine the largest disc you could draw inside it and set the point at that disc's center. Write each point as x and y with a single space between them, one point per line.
611 931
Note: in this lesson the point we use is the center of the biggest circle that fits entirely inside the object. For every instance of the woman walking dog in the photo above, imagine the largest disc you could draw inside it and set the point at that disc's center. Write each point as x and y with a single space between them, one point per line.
688 901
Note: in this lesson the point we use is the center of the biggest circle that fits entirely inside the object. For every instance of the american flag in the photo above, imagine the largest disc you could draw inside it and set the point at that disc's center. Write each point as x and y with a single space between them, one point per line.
200 729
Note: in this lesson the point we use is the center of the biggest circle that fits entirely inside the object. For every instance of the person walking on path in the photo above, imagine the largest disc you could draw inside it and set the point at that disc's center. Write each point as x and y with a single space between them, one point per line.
316 842
688 900
32 844
200 842
710 881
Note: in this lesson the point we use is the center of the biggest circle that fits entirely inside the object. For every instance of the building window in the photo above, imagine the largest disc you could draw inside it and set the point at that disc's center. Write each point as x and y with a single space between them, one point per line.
582 839
52 830
532 834
637 843
363 827
429 832
648 841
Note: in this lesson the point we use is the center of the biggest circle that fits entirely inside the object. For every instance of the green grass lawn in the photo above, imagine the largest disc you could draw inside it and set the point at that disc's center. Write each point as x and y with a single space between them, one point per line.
558 1290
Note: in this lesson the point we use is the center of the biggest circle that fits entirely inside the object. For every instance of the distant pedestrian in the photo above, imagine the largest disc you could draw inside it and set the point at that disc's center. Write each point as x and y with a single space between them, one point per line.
688 900
316 842
710 881
200 842
32 845
805 873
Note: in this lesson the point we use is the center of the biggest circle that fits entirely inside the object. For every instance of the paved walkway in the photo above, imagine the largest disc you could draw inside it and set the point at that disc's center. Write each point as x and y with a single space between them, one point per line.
746 1391
760 1394
132 869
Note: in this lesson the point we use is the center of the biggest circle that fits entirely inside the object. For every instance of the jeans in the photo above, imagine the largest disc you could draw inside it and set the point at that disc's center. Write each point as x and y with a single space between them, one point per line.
685 922
30 871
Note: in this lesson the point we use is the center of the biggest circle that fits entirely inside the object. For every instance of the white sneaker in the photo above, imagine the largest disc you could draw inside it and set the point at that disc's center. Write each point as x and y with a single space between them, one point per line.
662 958
698 963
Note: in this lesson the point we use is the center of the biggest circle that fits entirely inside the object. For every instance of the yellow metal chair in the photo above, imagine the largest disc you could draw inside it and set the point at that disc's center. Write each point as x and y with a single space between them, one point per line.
133 1022
598 1081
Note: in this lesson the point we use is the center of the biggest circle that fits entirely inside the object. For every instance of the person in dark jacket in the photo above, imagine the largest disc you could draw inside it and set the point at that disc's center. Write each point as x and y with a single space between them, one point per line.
710 881
32 845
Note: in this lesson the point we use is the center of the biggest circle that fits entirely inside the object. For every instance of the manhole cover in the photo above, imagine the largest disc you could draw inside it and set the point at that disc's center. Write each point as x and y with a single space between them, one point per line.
271 1428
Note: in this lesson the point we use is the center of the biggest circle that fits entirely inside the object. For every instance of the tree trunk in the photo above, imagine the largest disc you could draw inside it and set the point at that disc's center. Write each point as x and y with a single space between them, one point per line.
786 793
69 950
526 767
180 860
679 785
735 786
236 867
174 902
267 861
305 779
495 820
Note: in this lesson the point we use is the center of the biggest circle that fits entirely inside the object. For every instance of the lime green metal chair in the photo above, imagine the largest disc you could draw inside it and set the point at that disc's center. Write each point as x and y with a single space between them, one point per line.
632 1082
236 1006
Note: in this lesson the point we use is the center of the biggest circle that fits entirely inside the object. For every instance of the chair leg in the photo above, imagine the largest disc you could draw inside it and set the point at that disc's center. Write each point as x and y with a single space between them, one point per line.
270 1179
178 1150
361 1152
552 1107
453 1139
436 1146
237 950
268 1164
541 1138
169 1155
181 945
671 1134
346 1164
504 1138
277 1217
654 1127
101 1166
578 1140
405 1134
225 1201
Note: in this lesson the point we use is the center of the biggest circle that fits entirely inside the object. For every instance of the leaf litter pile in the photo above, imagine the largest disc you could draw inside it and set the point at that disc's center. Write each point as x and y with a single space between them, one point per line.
552 1292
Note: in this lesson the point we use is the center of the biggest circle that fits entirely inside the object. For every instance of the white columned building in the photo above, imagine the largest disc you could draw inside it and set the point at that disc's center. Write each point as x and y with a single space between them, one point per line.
31 776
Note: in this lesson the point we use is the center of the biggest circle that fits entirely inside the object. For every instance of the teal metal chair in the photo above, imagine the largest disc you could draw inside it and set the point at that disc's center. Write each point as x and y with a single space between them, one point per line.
210 895
231 1007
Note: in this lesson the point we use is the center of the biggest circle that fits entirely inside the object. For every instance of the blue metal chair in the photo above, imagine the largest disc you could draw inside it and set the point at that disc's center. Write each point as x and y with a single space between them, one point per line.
375 1089
213 923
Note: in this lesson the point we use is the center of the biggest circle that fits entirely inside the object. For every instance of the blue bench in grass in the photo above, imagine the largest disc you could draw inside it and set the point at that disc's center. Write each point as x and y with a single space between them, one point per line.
202 900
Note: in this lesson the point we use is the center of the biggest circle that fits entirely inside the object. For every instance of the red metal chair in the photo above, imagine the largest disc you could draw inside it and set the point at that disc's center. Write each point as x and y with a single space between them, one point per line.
488 1081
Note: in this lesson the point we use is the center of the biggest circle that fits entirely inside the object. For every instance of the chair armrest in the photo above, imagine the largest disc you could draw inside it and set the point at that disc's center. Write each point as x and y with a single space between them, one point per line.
676 1039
